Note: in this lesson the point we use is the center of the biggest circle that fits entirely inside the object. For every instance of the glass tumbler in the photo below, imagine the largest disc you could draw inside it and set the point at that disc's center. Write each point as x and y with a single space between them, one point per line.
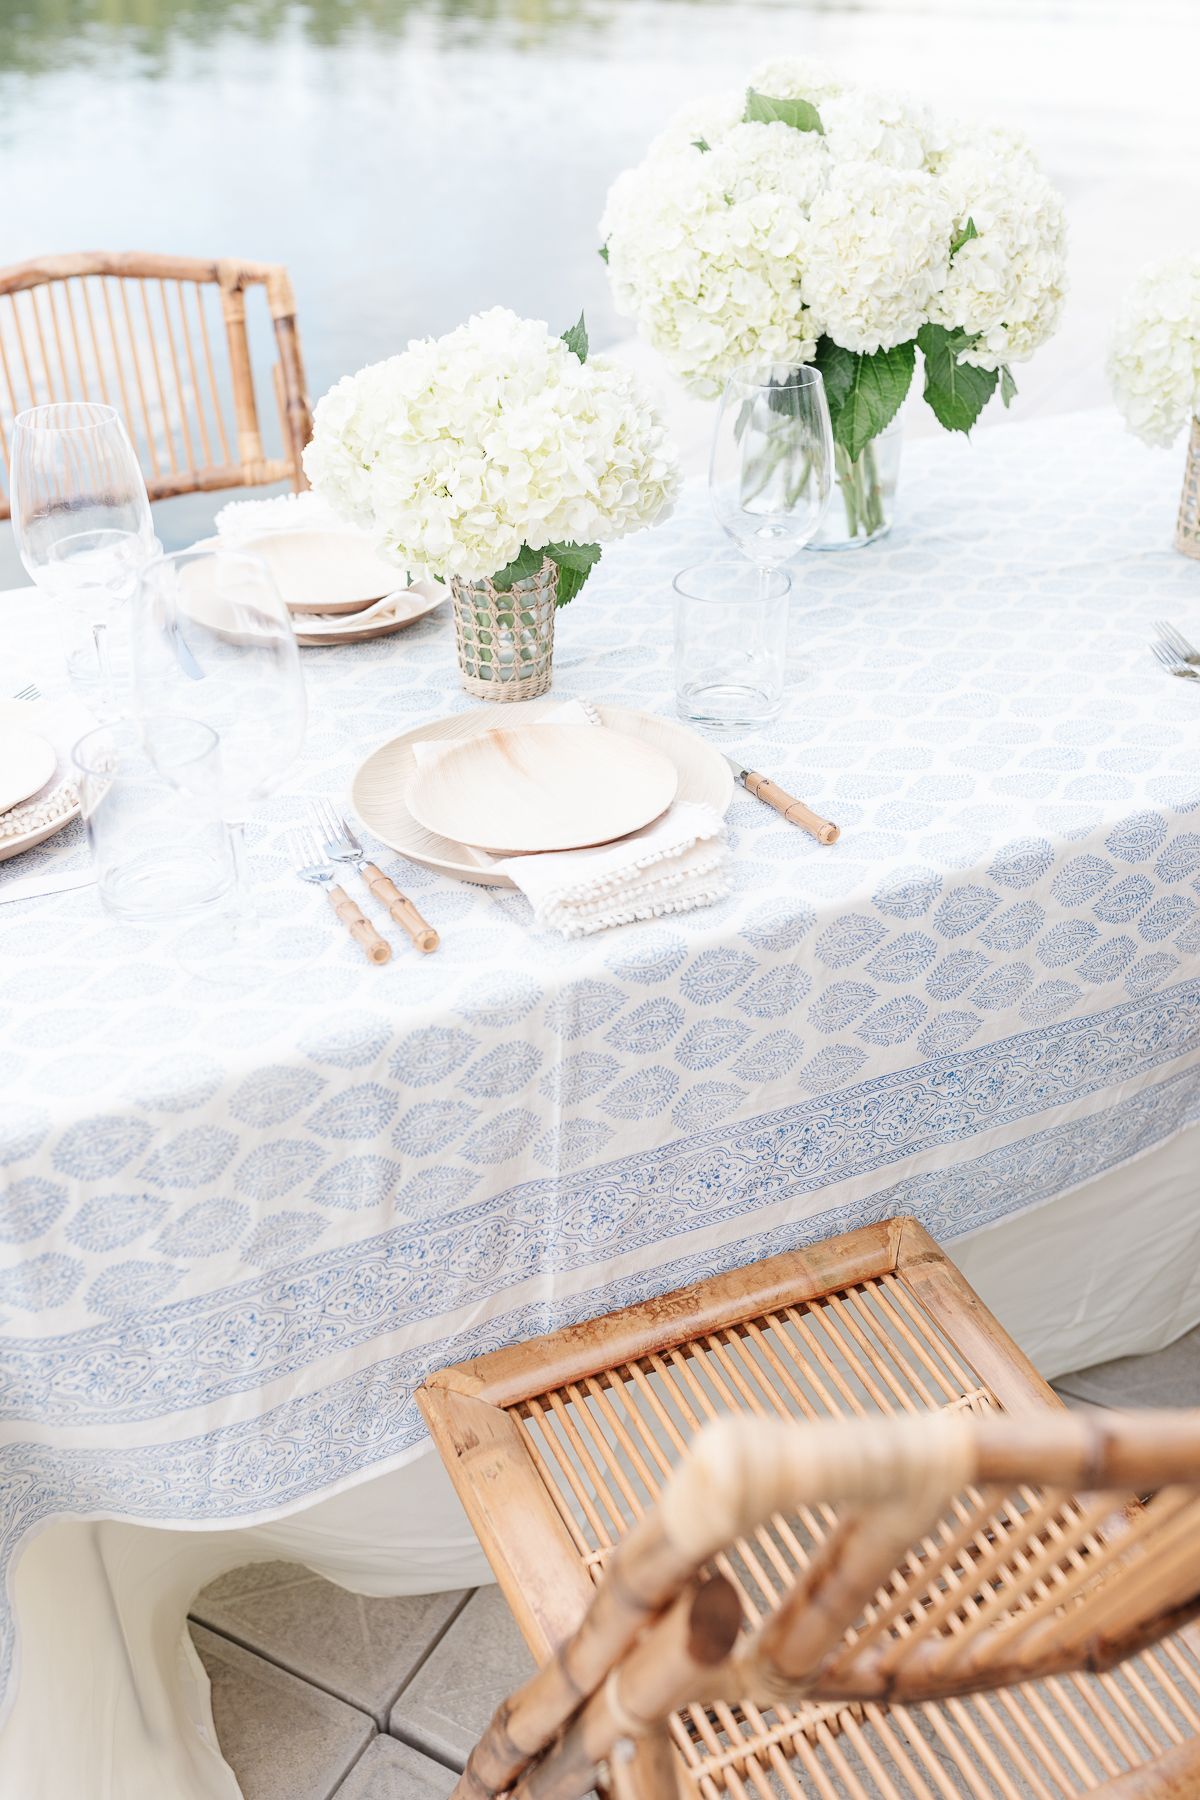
159 856
731 623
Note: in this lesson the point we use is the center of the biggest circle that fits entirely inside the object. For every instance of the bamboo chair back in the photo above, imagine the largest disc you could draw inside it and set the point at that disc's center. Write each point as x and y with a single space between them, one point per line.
882 1574
167 341
955 1556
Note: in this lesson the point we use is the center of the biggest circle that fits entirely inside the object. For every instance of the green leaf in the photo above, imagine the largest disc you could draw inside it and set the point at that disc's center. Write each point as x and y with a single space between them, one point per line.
957 392
701 144
873 397
761 109
576 338
963 237
836 368
602 253
526 562
575 564
1008 386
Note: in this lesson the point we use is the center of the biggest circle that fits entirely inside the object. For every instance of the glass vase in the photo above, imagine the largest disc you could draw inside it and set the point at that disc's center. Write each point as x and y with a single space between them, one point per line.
863 499
505 641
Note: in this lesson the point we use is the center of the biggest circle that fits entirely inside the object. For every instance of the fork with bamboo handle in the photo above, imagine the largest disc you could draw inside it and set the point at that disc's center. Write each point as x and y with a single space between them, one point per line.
343 846
399 906
358 924
311 863
787 805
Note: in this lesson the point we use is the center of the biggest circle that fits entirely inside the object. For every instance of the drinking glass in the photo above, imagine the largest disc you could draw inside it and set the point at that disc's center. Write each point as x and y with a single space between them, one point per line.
730 643
772 461
212 639
157 858
81 518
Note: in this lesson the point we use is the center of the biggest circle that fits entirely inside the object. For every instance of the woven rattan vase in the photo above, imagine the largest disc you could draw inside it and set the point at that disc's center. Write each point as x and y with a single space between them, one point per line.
506 640
1187 526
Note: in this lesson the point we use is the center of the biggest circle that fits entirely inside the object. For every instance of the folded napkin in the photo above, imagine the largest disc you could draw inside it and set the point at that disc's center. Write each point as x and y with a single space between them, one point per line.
678 862
282 512
399 604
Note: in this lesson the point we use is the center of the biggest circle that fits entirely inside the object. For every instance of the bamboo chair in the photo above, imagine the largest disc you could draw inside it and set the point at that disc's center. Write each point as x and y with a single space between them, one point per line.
164 339
817 1527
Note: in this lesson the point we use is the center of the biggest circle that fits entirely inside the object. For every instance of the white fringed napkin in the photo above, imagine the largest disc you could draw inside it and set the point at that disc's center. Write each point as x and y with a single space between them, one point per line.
678 862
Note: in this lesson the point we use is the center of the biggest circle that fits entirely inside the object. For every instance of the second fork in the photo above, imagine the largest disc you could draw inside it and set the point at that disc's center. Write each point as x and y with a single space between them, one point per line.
343 846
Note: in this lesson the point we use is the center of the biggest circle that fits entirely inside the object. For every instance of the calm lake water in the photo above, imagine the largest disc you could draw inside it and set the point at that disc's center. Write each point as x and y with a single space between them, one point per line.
415 160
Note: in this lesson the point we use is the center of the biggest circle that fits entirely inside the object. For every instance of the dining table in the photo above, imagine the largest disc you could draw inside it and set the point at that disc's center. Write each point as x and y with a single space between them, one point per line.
238 1228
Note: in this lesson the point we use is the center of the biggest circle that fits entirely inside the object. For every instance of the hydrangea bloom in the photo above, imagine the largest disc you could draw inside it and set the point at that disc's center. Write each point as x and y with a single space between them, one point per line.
875 252
1006 285
1154 363
704 252
467 447
739 241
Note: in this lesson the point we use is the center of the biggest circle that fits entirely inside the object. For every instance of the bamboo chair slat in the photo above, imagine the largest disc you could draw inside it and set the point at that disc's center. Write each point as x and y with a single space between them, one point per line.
935 1601
119 328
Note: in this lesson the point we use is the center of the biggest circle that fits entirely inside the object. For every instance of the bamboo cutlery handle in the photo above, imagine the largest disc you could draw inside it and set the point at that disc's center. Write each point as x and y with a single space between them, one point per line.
400 907
795 811
359 926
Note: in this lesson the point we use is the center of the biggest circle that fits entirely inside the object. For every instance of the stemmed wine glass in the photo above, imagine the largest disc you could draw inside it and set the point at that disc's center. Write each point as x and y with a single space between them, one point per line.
81 517
213 640
772 462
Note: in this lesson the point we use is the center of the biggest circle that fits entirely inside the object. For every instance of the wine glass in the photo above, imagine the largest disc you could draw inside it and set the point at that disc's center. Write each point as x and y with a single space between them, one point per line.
213 640
772 462
81 518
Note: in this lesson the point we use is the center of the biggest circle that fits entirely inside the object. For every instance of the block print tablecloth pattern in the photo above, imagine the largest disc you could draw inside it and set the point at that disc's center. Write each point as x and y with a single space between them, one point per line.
233 1237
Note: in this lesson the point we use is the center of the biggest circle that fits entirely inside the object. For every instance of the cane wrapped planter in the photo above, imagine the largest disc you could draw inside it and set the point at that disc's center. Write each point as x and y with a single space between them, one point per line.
1187 528
505 640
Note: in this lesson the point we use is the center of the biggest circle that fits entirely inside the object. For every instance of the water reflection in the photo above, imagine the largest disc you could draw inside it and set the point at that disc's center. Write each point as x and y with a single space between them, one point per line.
37 35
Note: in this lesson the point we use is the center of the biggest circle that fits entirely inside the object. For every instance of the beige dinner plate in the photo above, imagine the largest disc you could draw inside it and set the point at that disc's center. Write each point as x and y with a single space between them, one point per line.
27 762
378 790
320 571
23 715
522 789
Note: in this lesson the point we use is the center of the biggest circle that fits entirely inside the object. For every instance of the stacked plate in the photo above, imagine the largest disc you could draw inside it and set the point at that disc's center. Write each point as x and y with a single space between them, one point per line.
36 796
337 587
480 787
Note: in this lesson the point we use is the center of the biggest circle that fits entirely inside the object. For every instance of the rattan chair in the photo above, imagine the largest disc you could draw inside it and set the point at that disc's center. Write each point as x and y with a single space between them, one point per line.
904 1570
167 341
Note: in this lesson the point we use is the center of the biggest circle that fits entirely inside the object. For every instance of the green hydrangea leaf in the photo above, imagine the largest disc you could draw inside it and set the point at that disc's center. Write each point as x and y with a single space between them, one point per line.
1008 386
957 392
701 144
526 562
575 564
761 109
963 237
873 395
602 253
576 338
836 368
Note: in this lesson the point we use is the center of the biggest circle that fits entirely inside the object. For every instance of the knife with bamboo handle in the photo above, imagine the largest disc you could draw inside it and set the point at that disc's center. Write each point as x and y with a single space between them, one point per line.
787 805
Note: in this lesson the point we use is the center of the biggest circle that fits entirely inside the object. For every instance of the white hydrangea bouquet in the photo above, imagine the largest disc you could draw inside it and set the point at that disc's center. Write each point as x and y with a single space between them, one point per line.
1154 371
499 457
806 220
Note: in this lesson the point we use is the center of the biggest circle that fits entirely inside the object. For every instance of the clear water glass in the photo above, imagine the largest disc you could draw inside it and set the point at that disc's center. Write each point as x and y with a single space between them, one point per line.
81 517
772 461
158 858
731 626
213 640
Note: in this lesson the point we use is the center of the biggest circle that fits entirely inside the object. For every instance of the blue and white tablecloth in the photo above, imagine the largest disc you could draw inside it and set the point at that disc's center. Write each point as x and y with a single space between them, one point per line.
234 1237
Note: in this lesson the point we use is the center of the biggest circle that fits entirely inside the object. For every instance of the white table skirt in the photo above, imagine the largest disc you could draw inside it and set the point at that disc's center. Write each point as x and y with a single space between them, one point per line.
1109 1269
